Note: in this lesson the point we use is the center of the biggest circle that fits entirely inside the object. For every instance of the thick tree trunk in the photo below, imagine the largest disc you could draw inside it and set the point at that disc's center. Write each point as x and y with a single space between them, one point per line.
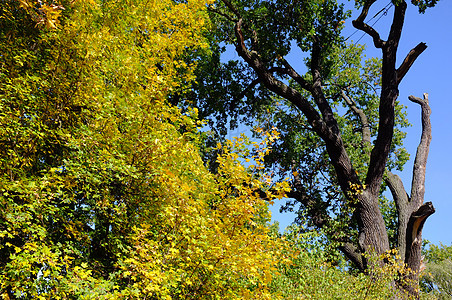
412 213
373 233
373 236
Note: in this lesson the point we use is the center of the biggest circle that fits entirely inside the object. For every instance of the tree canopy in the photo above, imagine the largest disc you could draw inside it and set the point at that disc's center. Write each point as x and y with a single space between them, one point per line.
341 123
103 191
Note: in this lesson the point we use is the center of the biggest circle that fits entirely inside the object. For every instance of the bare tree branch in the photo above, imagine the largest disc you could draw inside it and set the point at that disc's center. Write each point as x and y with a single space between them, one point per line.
409 60
397 24
414 243
420 162
216 11
416 222
365 126
359 24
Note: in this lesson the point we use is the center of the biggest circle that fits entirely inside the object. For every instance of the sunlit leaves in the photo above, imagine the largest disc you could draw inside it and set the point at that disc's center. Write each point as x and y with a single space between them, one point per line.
313 275
45 14
436 270
103 192
424 4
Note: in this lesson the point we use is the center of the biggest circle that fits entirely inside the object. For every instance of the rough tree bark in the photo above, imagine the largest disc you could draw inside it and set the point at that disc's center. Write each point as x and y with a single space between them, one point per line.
412 212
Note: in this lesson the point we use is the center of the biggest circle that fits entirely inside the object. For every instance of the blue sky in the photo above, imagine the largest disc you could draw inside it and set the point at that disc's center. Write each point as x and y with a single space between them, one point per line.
431 73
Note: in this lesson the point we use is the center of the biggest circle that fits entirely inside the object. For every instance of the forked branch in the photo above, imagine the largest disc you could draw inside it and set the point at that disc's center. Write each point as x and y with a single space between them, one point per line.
361 25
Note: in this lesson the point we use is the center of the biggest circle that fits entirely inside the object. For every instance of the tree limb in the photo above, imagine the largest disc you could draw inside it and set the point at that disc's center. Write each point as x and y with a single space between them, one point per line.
278 87
317 92
417 220
420 162
232 8
365 129
397 24
359 24
389 94
295 76
402 202
226 16
414 243
352 252
409 60
248 88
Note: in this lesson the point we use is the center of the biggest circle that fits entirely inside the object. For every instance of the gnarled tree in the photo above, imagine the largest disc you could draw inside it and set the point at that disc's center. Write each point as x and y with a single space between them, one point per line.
358 154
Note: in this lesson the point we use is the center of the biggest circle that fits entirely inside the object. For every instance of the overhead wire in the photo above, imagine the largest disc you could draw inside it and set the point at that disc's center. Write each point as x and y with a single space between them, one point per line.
382 12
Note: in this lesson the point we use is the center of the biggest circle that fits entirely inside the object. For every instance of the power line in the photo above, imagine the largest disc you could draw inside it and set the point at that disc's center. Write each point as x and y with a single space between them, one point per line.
382 12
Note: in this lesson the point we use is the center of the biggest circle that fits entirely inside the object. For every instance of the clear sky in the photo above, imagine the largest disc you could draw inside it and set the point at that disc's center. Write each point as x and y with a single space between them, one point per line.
431 73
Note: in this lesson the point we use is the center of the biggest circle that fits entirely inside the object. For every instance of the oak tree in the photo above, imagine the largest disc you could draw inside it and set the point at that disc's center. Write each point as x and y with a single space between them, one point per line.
356 152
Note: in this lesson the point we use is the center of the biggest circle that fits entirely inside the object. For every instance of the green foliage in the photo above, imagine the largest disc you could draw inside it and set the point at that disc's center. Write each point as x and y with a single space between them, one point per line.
103 192
438 253
312 275
299 148
437 276
424 4
279 23
229 94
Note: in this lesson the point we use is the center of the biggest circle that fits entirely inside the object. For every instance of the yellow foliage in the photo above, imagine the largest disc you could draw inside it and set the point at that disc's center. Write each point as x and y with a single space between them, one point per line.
43 14
103 192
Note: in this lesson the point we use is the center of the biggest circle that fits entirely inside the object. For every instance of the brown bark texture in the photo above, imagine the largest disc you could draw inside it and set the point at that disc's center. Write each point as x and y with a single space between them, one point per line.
412 211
